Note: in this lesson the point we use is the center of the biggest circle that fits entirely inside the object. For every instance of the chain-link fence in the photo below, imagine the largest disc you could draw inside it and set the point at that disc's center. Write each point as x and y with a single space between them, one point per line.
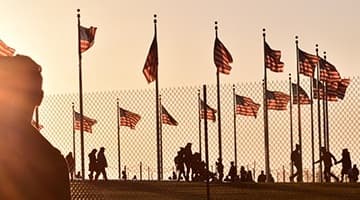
138 147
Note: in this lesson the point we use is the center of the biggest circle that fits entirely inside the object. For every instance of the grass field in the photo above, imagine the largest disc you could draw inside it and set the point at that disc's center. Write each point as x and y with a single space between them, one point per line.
152 190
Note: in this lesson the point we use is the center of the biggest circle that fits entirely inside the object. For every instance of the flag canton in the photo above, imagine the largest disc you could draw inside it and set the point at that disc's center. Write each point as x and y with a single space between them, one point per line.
246 106
272 59
128 118
167 118
222 57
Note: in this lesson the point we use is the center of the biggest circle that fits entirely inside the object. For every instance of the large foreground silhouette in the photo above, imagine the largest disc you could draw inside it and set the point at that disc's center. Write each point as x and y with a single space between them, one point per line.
31 168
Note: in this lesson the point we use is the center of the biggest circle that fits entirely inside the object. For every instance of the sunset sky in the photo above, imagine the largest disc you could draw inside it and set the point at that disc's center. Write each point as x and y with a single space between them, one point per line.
47 31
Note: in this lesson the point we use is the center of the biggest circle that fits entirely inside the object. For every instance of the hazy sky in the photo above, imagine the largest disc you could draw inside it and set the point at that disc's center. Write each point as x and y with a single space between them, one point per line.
46 30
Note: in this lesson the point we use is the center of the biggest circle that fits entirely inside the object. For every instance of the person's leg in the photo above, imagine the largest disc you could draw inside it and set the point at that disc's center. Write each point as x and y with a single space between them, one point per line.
104 174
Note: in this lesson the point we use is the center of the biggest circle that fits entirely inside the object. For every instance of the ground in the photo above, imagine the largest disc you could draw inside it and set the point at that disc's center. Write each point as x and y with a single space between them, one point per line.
166 190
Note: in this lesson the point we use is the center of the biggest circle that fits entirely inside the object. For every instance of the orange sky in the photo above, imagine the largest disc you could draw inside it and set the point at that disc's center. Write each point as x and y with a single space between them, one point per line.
47 31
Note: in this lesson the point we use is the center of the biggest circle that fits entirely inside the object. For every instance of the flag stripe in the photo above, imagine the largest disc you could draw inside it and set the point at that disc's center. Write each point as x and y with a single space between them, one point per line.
328 72
319 91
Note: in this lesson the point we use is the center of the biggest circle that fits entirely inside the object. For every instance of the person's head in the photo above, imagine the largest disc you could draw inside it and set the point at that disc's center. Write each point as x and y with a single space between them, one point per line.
94 151
262 171
102 149
297 147
232 163
20 88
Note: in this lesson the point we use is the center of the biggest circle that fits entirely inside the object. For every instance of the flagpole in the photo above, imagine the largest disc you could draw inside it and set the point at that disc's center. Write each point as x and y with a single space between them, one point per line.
199 106
291 124
118 135
326 112
235 146
81 102
300 178
158 134
218 101
206 142
312 130
318 110
73 117
266 125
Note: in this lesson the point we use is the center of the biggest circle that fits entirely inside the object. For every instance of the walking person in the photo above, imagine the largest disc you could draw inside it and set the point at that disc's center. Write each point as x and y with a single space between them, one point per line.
296 161
71 165
346 164
92 164
327 158
101 164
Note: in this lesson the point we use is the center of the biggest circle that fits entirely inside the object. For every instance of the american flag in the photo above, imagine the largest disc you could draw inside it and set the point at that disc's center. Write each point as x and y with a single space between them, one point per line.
277 100
128 118
319 91
34 124
87 122
246 106
341 90
87 38
272 59
210 112
304 98
6 50
151 64
328 72
166 118
222 57
307 63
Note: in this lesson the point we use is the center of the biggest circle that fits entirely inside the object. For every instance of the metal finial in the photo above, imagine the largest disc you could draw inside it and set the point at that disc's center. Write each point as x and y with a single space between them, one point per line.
78 12
264 31
216 23
296 39
155 20
233 86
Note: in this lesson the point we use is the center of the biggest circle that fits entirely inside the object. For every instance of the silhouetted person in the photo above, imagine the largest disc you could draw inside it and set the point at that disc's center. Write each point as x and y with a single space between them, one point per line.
71 164
92 163
346 163
249 177
195 166
261 177
174 177
179 163
220 169
187 160
134 178
243 174
124 176
232 172
101 164
78 175
271 179
30 167
326 157
354 174
296 161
